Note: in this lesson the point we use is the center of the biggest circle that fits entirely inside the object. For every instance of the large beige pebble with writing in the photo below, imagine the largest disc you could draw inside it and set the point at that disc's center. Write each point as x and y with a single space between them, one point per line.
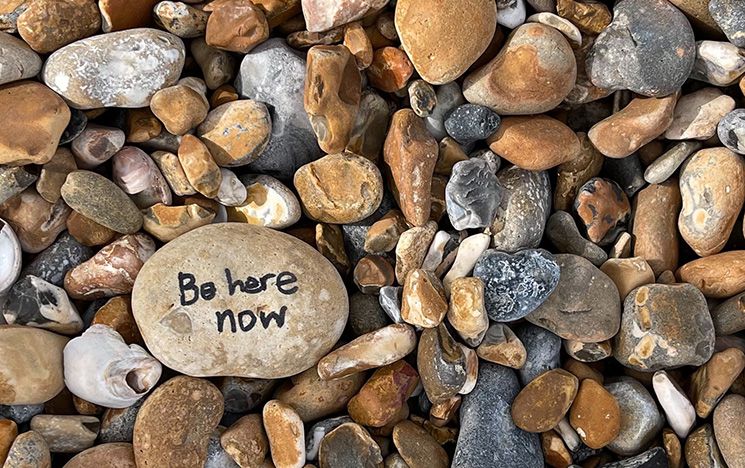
234 299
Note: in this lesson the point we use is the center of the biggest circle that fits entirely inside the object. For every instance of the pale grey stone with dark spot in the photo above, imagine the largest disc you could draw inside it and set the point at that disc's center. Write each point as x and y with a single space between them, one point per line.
731 131
488 437
563 233
515 285
649 48
274 74
641 420
523 210
730 17
666 165
543 349
472 195
365 314
652 458
14 180
56 260
470 123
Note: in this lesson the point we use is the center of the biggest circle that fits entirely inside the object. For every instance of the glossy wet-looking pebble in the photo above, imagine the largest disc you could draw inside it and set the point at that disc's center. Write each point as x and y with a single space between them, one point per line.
427 233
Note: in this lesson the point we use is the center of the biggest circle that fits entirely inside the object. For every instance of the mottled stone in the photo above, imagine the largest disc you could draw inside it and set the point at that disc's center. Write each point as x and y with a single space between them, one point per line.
562 232
46 26
718 63
29 450
697 114
664 326
466 313
35 222
730 436
543 402
313 398
18 61
14 180
373 272
729 316
52 263
245 441
36 303
349 445
96 144
199 166
411 249
417 447
571 175
424 303
384 234
114 455
641 421
470 123
268 203
138 176
441 363
66 434
628 273
729 16
701 449
180 108
731 131
53 175
99 199
648 49
381 398
181 19
603 209
501 86
535 143
286 435
655 225
422 98
166 223
718 276
712 380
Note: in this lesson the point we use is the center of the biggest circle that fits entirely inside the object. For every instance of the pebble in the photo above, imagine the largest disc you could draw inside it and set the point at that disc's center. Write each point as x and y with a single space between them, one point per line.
199 166
717 276
628 273
664 326
417 447
14 180
627 172
543 402
218 66
728 316
441 364
373 272
117 314
180 108
603 210
18 62
422 98
728 15
318 431
191 408
117 425
96 144
466 312
390 301
339 188
731 131
116 455
99 199
542 348
515 285
711 381
488 436
718 63
273 74
358 43
655 225
563 233
181 19
524 209
389 70
245 441
472 195
437 47
590 316
36 303
424 303
117 15
349 445
232 192
36 222
501 86
534 143
501 346
701 448
375 349
57 259
572 174
468 252
321 16
595 414
286 435
369 132
668 163
10 252
88 232
449 97
235 26
32 366
137 175
330 242
697 114
511 13
590 17
648 48
560 24
171 169
268 203
53 174
384 234
641 421
382 397
730 437
48 25
66 434
29 450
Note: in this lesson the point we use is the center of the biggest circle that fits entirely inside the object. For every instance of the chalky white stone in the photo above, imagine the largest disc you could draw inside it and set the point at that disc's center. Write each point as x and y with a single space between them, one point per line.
234 299
678 409
120 69
10 257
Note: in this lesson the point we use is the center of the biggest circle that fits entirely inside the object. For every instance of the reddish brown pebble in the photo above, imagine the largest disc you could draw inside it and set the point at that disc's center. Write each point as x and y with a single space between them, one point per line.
542 403
373 272
88 232
595 415
655 225
383 395
719 276
235 26
390 69
603 208
245 441
117 313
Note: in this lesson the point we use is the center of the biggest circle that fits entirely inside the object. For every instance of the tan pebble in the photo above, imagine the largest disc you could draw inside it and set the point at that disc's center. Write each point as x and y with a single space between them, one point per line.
628 273
218 66
373 272
356 40
88 232
66 434
118 15
424 303
381 398
245 441
308 39
29 450
235 25
268 203
313 398
117 314
595 415
583 371
555 451
384 234
179 107
166 223
562 25
701 449
199 167
449 155
171 168
142 125
412 248
330 242
711 381
655 225
672 447
286 435
697 12
8 433
369 132
591 17
54 173
501 346
718 276
417 447
236 132
543 402
698 113
390 69
113 455
534 143
729 430
47 25
466 312
35 221
223 95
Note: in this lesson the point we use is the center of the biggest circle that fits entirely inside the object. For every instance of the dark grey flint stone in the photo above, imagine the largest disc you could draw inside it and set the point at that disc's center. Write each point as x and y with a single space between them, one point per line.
65 254
516 284
652 458
365 314
14 180
488 437
316 433
730 17
35 302
244 394
274 74
470 123
118 425
542 348
563 233
649 49
472 195
641 421
731 131
217 457
389 298
355 233
21 414
78 122
626 172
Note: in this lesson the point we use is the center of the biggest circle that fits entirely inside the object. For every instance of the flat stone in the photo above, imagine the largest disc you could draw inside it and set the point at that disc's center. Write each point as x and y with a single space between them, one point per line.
500 85
274 74
655 225
523 210
313 398
66 434
268 203
235 26
641 421
29 449
664 326
349 445
87 72
48 25
668 163
18 62
562 232
191 409
543 402
711 200
718 63
731 131
99 199
729 16
33 365
716 276
381 398
488 436
648 49
437 47
517 284
585 304
417 447
730 436
697 114
372 273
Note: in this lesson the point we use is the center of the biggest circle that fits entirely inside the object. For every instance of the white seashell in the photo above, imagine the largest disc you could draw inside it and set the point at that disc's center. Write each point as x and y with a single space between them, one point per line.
678 409
468 252
10 257
102 369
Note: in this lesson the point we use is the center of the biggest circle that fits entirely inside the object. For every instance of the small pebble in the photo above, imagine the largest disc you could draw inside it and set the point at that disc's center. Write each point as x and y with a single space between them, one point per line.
603 209
668 163
384 394
595 415
697 114
29 450
500 345
534 143
701 448
422 98
96 144
181 19
285 433
571 175
718 63
731 131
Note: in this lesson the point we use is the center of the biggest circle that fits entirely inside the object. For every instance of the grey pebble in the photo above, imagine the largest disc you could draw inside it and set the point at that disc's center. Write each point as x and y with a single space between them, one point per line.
244 394
365 314
449 96
21 414
731 131
390 301
470 123
14 180
17 60
730 16
563 233
472 195
641 420
666 165
317 432
118 425
55 261
543 349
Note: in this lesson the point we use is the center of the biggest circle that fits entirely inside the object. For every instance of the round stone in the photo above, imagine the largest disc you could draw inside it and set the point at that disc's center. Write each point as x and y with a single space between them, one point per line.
719 276
268 203
515 285
121 69
470 123
595 415
270 312
96 197
641 421
542 403
731 131
535 143
433 35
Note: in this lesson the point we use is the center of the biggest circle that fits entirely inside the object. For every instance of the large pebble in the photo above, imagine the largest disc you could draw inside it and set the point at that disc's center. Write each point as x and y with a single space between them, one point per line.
712 186
488 436
648 48
718 63
435 43
641 421
214 296
697 114
655 225
718 276
122 69
534 143
664 326
503 85
32 366
585 306
17 60
544 401
595 414
48 25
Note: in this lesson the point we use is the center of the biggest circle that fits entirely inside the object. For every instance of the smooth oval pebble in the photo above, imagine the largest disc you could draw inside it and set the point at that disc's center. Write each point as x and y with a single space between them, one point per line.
98 198
10 257
205 310
729 430
17 60
120 69
114 455
542 403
